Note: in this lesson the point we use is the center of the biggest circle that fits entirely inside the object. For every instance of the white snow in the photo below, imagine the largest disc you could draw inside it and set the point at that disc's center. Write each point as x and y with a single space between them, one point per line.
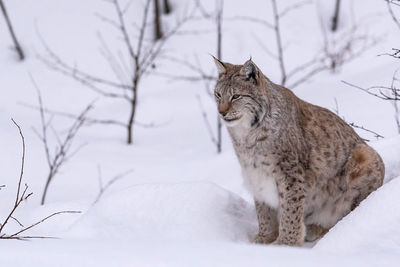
184 211
183 204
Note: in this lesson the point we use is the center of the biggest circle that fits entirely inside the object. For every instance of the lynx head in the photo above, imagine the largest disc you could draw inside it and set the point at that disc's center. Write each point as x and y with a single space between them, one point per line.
239 93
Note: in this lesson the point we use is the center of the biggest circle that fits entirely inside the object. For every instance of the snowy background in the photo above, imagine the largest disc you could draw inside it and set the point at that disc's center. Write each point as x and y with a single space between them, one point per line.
182 204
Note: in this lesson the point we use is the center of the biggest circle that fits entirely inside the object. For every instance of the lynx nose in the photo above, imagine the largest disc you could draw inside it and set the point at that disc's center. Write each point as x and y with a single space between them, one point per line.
223 109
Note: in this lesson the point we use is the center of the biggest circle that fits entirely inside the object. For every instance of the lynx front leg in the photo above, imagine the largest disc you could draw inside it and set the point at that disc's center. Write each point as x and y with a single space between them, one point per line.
267 224
291 207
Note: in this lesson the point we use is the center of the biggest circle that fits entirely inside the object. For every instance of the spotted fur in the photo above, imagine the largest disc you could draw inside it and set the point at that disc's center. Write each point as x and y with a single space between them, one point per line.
305 167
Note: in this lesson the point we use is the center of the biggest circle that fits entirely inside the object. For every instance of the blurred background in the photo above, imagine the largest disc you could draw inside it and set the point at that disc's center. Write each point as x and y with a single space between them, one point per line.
117 94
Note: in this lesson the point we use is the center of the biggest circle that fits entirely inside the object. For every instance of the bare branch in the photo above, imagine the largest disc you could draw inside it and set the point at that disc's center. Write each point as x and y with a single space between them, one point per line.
108 184
25 238
12 33
88 120
200 75
62 150
395 54
206 121
107 20
352 124
155 50
251 19
287 10
22 163
377 136
390 93
122 27
307 76
390 9
15 219
41 221
382 92
19 198
141 57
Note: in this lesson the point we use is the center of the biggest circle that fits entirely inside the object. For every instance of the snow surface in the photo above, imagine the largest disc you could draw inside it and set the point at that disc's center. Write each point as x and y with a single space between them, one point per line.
183 205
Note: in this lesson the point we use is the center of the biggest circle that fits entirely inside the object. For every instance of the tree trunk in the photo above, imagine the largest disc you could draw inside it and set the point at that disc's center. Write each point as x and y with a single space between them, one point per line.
157 21
167 7
46 187
133 111
335 19
10 28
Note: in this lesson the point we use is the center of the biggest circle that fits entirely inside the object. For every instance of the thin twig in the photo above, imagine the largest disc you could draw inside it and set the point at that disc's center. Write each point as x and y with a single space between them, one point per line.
19 197
206 120
380 94
103 188
141 57
352 124
367 130
394 18
62 151
18 48
294 7
42 220
22 162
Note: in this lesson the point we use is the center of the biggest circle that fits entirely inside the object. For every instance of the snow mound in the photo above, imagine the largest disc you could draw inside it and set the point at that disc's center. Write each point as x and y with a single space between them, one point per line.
184 211
388 149
374 226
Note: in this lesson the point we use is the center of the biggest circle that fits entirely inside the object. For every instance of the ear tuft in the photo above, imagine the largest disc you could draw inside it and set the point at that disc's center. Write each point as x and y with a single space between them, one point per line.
250 70
220 66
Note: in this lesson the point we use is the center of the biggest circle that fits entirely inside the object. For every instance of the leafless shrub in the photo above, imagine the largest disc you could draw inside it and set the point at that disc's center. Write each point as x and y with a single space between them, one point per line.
354 125
343 46
298 74
396 20
390 4
63 149
389 93
104 187
395 53
17 46
208 78
142 54
21 196
217 17
337 49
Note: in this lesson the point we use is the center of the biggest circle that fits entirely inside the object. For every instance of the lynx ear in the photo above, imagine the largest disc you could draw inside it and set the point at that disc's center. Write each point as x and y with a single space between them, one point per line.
220 66
250 71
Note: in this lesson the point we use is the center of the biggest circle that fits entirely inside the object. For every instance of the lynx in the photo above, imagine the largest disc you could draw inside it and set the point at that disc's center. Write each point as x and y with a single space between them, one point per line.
305 167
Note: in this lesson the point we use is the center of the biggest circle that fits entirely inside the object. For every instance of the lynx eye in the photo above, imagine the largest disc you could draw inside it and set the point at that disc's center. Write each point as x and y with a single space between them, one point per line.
235 97
217 95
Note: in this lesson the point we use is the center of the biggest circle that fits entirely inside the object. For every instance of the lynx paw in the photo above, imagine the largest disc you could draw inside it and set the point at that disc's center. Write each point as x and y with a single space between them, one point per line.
293 243
315 232
262 239
277 243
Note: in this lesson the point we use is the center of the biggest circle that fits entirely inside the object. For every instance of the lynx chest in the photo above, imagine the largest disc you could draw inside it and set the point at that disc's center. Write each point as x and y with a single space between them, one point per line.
259 179
257 167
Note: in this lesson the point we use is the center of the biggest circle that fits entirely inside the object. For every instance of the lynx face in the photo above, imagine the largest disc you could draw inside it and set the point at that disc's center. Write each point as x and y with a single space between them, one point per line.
237 95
